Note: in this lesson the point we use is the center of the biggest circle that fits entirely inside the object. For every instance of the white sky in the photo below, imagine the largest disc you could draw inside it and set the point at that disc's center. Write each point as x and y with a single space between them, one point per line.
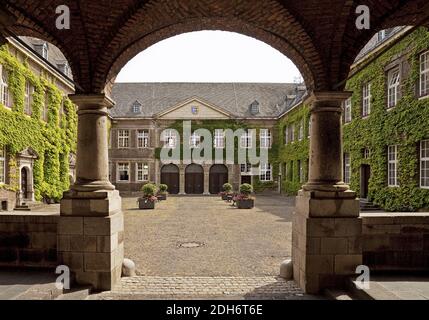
209 56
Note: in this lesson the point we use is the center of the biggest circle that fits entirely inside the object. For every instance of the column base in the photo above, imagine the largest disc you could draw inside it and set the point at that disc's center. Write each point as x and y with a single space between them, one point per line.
325 187
326 239
91 237
92 186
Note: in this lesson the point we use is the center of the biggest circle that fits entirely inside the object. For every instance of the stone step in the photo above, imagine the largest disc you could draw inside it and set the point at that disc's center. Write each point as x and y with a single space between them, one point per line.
77 293
374 292
338 294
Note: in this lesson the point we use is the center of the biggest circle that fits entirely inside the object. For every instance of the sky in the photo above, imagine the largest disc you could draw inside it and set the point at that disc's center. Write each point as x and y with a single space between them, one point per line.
209 56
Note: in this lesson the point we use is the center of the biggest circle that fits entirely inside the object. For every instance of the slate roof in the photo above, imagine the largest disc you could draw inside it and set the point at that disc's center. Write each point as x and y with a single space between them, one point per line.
234 98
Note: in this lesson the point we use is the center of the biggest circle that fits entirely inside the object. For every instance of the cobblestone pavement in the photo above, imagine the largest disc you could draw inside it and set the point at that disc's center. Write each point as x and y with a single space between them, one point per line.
203 248
258 288
164 241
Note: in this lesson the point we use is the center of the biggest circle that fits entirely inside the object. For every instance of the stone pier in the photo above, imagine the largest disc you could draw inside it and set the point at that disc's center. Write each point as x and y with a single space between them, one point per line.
90 230
327 230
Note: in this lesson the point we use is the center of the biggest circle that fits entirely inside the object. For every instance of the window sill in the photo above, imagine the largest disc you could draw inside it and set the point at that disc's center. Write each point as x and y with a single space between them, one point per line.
424 98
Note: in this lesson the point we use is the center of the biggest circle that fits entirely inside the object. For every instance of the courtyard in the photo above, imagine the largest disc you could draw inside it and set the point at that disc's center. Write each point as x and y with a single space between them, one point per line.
205 236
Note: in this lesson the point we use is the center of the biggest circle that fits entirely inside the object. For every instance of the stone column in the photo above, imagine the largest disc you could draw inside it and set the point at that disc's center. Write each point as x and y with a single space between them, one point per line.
206 179
90 231
326 228
182 179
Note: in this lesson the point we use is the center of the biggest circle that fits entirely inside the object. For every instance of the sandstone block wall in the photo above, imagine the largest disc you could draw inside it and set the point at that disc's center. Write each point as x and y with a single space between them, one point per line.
28 240
396 241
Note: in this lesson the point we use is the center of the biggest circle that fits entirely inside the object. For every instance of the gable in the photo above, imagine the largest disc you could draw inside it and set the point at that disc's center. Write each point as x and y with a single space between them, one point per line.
194 109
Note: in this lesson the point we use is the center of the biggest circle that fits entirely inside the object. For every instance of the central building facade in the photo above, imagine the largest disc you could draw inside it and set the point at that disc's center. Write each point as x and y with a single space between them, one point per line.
149 116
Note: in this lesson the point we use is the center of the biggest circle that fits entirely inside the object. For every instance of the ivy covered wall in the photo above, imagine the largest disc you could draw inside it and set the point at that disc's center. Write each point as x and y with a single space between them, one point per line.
293 153
53 139
234 125
404 125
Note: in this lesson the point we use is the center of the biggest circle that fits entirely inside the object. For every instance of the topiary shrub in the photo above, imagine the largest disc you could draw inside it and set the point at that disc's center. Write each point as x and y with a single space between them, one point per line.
246 189
163 188
227 187
149 190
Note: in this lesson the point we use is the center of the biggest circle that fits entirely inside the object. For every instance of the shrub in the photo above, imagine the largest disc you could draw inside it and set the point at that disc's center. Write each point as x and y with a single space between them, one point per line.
227 187
246 189
149 190
163 188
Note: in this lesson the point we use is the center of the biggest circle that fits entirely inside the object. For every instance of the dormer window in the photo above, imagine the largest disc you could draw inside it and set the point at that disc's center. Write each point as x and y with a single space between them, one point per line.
136 107
254 108
64 68
42 49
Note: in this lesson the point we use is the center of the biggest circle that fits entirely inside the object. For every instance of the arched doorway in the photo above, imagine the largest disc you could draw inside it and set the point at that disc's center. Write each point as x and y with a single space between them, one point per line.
170 177
25 186
194 179
218 176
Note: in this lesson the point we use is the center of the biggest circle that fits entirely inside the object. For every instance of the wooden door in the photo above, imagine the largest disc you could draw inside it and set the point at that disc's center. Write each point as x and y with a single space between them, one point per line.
218 177
365 176
194 179
24 183
170 177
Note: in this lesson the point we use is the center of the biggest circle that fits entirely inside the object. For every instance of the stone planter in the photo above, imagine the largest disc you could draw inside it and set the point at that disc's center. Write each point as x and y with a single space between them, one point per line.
144 204
162 196
245 204
225 197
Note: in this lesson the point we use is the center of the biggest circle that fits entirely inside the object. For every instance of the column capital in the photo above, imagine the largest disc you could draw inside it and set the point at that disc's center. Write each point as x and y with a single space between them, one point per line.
328 96
92 101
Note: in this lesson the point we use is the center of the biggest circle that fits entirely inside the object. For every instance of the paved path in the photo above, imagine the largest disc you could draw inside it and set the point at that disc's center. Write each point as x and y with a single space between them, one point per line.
259 288
233 242
27 285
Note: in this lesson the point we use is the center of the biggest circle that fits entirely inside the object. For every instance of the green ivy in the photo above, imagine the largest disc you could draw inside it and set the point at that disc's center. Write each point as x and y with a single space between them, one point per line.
234 125
52 140
291 153
404 125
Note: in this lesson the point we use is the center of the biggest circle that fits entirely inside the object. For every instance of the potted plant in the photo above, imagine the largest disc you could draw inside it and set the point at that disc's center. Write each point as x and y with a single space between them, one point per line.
244 200
162 193
147 201
227 191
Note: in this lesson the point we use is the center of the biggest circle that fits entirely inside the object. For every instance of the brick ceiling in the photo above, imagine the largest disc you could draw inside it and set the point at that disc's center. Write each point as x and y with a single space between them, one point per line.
318 35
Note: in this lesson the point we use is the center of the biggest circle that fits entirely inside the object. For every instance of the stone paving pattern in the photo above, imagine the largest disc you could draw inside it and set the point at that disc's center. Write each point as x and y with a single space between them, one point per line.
236 242
150 287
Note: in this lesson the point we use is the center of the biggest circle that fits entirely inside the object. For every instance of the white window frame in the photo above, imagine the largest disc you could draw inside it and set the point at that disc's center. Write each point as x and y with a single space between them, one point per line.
219 139
170 138
45 110
245 169
246 141
366 100
4 86
347 168
424 74
194 140
392 166
265 170
119 166
2 165
301 131
286 134
301 171
424 163
28 97
123 139
265 138
142 139
292 133
394 80
348 110
142 172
